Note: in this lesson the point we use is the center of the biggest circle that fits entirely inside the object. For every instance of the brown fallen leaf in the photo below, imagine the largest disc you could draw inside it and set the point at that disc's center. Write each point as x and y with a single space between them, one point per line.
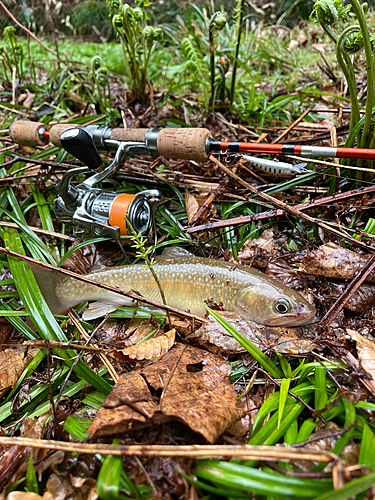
257 252
332 261
27 495
215 338
12 364
361 301
192 205
195 390
365 350
152 348
14 459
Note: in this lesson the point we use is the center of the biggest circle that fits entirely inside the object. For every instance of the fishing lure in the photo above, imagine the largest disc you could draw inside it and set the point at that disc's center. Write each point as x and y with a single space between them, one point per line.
277 167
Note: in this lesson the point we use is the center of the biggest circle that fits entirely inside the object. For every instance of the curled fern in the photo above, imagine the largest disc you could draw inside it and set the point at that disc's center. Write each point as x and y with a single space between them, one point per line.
328 12
353 42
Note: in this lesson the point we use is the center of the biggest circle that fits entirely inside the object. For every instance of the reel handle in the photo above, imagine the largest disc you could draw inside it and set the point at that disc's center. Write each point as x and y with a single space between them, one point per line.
79 144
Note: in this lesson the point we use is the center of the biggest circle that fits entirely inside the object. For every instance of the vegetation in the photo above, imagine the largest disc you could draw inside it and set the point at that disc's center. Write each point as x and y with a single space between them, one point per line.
229 69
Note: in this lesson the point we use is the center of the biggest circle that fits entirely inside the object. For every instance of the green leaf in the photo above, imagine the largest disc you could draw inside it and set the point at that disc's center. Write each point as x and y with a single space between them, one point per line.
77 426
242 478
31 480
41 315
351 489
367 451
284 388
256 353
308 426
321 397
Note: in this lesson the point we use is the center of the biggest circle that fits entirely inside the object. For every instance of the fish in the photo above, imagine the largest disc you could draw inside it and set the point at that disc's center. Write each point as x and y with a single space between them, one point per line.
187 281
277 167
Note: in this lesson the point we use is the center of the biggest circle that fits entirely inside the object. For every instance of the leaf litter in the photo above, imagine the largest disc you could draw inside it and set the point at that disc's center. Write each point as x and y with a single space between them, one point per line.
169 390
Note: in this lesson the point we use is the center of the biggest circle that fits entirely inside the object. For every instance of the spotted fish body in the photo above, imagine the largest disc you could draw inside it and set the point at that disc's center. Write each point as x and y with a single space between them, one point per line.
187 281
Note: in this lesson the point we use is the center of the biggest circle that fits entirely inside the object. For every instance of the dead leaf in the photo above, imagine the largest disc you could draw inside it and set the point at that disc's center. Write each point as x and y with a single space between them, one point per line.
332 261
365 350
26 495
214 337
257 252
14 459
152 348
196 391
84 259
192 205
361 301
12 364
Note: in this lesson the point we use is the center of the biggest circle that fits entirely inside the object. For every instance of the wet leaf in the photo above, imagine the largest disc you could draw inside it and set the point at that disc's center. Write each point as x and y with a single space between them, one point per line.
214 337
366 351
332 261
195 390
12 364
192 205
152 348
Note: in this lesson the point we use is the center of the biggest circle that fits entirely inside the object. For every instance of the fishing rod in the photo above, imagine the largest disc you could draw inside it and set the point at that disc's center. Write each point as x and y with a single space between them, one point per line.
174 143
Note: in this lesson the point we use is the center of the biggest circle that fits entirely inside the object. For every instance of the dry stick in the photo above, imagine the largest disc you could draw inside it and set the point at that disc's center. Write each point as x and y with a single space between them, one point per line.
57 345
29 32
297 398
348 293
110 288
264 453
291 127
289 208
206 204
327 436
39 230
244 219
88 338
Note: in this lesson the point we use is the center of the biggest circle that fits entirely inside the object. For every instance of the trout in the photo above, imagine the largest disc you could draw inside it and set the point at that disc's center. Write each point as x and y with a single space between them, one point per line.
187 282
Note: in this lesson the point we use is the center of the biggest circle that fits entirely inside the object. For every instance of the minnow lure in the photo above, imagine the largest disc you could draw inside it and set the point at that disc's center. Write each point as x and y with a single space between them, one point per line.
277 167
187 281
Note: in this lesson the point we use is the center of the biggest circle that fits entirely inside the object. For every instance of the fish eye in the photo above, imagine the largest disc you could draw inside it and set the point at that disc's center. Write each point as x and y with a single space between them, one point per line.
282 306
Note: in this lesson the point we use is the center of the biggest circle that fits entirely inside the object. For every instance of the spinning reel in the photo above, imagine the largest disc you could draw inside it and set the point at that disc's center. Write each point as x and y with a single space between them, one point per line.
96 210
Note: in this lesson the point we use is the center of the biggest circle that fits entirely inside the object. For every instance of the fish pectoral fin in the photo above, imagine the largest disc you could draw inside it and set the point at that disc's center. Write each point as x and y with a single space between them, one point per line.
172 253
97 309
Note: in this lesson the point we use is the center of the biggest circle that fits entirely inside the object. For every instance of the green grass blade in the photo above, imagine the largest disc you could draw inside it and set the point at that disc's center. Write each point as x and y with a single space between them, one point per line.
31 481
257 354
321 397
284 388
367 451
41 315
350 490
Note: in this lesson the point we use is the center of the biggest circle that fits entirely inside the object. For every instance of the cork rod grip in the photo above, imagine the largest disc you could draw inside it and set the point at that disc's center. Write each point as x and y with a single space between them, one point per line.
129 134
26 133
183 143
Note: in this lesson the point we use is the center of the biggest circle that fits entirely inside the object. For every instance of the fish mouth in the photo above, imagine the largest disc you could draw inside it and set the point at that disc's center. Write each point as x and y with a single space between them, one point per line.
291 320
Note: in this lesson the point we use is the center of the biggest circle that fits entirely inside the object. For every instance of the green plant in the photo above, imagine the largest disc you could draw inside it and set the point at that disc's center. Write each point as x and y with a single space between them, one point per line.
16 59
89 14
99 82
217 22
349 41
138 41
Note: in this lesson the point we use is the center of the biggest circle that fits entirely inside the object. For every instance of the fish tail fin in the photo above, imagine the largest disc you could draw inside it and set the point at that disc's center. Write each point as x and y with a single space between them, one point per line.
48 282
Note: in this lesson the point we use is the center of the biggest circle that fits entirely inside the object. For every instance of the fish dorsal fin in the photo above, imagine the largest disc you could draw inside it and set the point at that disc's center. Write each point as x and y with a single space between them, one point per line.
173 253
97 268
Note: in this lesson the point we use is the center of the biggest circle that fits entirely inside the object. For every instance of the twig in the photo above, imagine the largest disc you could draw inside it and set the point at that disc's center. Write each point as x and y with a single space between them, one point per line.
110 288
277 213
88 338
300 400
264 453
29 32
348 293
291 127
325 436
289 208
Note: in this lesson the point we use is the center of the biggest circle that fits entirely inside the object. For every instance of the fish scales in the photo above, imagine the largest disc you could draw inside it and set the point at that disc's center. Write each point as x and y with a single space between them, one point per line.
187 282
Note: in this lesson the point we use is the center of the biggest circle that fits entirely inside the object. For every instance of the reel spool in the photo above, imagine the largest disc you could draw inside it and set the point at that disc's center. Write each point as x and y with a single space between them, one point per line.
97 210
